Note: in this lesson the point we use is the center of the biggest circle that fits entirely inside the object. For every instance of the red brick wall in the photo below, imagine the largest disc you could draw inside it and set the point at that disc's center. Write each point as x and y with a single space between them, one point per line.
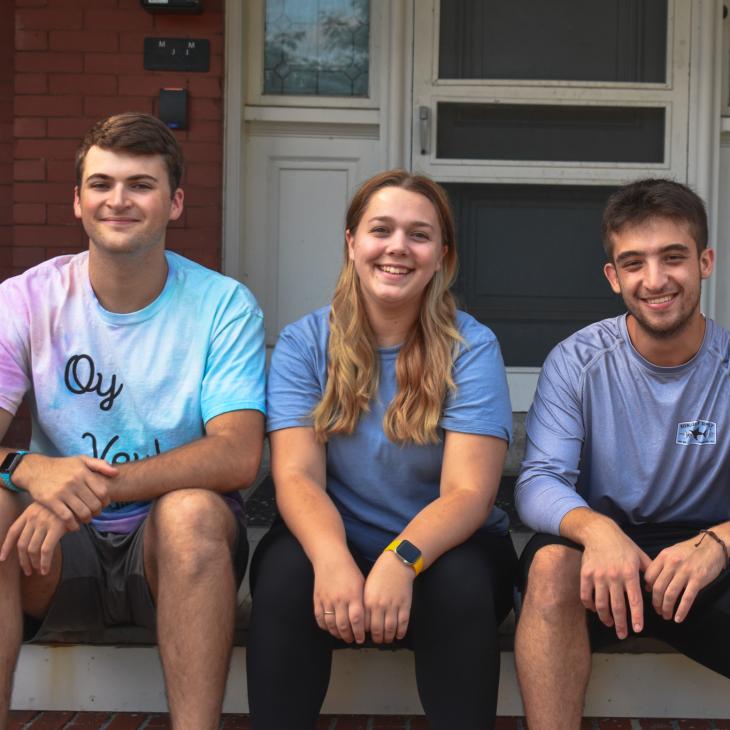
63 65
6 137
79 60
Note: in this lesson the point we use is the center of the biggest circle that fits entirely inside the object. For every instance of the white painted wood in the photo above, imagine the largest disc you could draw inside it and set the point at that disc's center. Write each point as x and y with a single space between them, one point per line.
310 246
704 124
314 130
311 219
398 86
655 685
722 241
522 383
233 159
725 72
367 681
314 115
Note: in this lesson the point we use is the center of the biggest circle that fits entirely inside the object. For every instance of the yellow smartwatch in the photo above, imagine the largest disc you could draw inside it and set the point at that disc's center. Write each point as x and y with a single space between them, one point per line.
408 553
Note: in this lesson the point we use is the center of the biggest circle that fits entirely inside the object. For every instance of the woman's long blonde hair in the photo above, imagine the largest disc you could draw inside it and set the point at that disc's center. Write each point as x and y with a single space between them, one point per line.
425 361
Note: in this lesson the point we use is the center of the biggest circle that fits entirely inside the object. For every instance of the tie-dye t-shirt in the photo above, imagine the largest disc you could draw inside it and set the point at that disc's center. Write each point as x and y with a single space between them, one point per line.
122 387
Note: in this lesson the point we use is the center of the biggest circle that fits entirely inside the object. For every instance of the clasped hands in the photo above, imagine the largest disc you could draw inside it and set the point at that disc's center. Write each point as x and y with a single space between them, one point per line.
610 577
66 491
349 606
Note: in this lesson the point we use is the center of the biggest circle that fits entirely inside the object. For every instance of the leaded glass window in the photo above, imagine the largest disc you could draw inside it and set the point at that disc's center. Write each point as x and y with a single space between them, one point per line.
317 47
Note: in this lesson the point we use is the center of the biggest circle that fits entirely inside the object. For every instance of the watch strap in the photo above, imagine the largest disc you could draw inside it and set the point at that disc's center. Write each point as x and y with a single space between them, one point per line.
393 548
6 477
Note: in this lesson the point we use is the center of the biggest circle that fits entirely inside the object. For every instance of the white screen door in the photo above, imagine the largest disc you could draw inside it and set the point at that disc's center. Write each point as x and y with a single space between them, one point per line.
530 114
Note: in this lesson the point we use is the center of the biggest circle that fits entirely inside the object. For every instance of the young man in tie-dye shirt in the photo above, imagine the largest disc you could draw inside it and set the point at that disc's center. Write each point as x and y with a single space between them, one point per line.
144 373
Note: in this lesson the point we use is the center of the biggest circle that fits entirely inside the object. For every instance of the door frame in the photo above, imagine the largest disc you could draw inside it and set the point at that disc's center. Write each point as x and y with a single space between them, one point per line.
692 137
398 126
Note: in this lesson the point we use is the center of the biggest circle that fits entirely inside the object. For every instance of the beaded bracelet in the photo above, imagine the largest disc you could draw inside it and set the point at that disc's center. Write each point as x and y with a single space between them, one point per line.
718 540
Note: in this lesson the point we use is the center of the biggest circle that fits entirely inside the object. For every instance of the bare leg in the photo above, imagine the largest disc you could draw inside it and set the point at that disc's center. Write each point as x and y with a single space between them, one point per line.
11 617
552 651
33 593
187 548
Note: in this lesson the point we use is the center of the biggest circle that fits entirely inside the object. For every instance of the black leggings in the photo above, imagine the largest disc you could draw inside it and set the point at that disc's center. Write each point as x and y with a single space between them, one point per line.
458 603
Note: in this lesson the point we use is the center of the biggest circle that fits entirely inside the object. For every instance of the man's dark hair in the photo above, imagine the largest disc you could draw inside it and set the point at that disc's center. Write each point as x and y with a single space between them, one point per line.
135 134
638 202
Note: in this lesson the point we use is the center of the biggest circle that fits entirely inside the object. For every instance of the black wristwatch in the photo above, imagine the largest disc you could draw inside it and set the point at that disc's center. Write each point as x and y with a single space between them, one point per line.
9 465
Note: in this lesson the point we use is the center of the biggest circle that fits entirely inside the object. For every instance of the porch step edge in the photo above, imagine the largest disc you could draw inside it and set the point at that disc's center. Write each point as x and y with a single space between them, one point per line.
364 682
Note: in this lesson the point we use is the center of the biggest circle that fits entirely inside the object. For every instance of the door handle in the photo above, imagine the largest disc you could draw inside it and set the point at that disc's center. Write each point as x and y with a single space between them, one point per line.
424 127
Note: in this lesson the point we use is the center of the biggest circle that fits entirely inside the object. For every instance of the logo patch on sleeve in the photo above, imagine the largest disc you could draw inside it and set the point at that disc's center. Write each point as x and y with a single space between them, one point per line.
696 433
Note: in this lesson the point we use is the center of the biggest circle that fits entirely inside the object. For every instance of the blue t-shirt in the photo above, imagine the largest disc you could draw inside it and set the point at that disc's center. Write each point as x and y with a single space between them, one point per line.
632 440
122 387
379 486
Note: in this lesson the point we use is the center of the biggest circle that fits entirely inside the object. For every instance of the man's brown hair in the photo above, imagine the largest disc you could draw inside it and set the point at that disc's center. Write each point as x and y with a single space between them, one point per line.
638 202
135 134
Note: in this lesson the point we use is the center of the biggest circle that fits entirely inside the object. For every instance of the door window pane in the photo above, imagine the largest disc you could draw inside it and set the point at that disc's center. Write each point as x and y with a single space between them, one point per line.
554 133
531 262
317 47
576 40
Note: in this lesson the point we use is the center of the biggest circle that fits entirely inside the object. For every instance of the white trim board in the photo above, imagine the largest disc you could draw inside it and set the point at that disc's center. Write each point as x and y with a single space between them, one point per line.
367 681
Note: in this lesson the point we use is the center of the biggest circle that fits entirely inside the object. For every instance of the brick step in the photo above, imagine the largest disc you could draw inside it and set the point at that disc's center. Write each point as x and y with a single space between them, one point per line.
22 720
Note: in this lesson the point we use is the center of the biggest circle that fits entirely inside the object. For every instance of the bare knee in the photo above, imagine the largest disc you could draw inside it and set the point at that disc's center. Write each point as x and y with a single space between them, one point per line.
192 527
553 584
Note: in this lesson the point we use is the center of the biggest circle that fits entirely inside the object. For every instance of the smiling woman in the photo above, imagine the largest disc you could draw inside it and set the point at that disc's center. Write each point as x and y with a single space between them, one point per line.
396 250
389 420
401 223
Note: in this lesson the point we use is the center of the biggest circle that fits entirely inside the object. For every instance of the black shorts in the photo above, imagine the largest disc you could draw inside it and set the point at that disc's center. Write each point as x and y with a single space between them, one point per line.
103 585
703 635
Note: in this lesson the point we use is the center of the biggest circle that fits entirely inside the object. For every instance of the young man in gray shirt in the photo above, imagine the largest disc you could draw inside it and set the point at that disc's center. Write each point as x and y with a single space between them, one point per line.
626 475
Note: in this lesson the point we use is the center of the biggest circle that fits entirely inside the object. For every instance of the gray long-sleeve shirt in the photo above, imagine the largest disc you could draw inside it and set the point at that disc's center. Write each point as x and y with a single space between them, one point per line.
637 442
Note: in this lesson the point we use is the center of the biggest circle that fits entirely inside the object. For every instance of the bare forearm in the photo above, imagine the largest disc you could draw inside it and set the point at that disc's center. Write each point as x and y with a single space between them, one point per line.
311 516
216 462
298 465
446 522
470 475
723 532
582 524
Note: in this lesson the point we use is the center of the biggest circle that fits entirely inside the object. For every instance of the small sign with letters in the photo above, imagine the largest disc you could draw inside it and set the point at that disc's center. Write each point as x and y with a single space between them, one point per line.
177 54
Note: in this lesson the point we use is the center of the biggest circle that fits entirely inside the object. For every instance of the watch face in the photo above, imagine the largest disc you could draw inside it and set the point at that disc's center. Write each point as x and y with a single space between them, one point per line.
8 462
408 552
